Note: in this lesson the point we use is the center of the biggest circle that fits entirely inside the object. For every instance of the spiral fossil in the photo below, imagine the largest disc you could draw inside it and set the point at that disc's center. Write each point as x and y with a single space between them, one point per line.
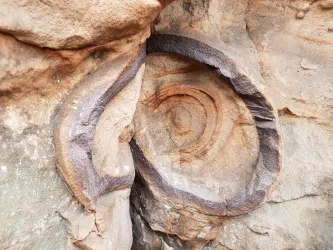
189 130
205 143
265 160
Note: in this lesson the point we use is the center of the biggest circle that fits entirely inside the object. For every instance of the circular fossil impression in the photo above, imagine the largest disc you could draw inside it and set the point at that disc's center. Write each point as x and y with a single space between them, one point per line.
194 129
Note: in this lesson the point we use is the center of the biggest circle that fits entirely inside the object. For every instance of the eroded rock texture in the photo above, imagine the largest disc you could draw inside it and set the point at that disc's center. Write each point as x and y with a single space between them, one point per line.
269 40
202 118
191 122
75 24
40 92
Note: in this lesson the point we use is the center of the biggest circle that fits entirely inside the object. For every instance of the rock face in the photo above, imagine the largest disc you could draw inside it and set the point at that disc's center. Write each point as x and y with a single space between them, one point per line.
79 122
75 24
292 57
34 86
66 121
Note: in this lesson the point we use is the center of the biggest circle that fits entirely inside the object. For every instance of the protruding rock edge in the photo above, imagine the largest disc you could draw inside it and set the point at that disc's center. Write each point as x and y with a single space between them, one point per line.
268 166
69 147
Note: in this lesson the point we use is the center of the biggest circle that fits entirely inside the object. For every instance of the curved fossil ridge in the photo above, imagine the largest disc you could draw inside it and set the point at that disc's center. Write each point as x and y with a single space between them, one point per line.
176 102
75 126
199 124
265 162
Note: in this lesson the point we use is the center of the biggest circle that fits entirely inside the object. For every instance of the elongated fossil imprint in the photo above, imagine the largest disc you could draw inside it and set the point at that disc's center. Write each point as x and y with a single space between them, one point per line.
205 141
75 129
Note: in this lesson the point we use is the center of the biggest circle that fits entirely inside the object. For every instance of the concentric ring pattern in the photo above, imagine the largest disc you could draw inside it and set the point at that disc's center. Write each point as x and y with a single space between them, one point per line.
194 129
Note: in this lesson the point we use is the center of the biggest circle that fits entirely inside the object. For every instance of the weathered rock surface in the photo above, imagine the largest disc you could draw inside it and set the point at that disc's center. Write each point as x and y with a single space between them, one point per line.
80 127
109 227
284 46
75 24
33 84
294 62
299 213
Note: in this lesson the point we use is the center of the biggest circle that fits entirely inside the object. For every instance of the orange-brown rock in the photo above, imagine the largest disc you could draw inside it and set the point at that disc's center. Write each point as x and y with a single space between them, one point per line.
75 24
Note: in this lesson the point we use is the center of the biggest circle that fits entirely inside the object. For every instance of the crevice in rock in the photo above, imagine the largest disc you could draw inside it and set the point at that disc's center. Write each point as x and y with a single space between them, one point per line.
146 238
276 201
286 112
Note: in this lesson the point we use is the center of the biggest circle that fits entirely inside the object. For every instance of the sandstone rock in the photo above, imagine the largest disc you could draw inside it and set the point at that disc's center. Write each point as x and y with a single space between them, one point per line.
49 75
188 178
109 227
32 87
283 43
75 24
165 2
99 170
294 64
283 47
328 4
299 213
80 126
221 24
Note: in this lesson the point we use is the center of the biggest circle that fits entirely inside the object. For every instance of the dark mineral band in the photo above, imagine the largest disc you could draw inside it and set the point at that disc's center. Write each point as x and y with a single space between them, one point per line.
75 128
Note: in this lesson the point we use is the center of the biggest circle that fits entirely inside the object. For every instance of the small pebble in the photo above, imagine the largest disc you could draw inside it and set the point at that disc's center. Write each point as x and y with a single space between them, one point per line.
300 14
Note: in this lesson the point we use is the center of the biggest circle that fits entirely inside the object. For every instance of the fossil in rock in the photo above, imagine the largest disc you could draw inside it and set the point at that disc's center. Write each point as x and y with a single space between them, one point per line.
100 171
205 147
75 129
206 144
